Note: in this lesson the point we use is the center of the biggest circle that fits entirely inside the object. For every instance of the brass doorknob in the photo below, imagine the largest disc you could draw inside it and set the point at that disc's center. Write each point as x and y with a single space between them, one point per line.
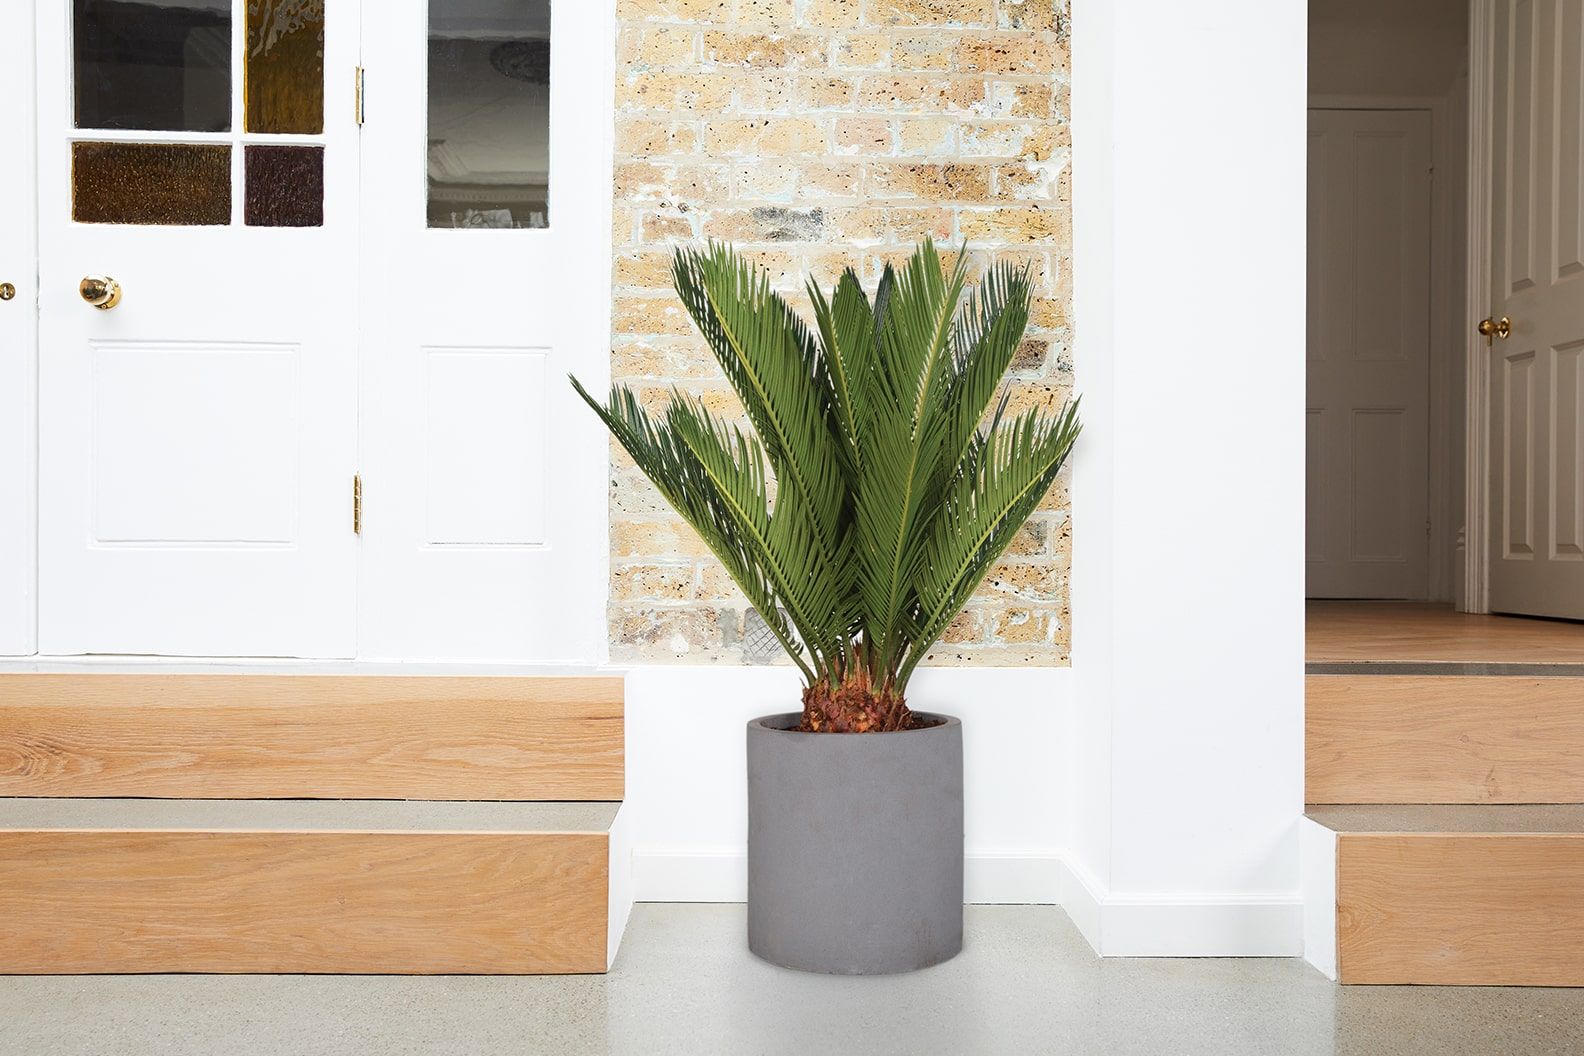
101 291
1499 327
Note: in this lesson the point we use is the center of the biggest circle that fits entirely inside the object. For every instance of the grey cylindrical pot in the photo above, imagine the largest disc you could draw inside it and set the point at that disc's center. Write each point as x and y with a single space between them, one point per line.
855 846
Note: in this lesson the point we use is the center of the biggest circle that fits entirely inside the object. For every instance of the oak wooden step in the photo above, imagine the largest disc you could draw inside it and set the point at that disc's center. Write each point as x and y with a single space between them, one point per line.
1458 895
1444 733
115 885
262 736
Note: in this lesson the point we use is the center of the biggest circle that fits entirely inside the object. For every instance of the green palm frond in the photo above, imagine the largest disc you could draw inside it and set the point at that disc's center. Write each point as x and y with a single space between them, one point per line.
1011 471
897 486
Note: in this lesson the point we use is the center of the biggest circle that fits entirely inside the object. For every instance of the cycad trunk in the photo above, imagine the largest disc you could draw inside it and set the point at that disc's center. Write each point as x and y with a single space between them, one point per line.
853 707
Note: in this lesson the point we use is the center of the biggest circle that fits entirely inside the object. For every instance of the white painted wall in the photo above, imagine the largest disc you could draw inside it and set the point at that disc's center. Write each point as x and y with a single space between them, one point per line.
1186 758
18 266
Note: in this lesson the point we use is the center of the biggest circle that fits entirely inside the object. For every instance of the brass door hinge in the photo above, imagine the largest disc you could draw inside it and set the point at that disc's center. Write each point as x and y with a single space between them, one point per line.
357 504
357 96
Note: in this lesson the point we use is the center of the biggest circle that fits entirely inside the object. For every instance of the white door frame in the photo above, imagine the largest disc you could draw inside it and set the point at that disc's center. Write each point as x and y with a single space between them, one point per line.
18 335
1476 487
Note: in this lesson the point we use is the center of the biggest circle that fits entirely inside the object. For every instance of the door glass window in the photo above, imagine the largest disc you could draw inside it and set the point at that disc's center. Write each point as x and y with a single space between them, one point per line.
489 113
285 186
285 66
151 183
162 65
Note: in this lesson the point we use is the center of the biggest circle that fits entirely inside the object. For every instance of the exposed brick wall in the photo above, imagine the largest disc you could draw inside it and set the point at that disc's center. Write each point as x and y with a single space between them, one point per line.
815 134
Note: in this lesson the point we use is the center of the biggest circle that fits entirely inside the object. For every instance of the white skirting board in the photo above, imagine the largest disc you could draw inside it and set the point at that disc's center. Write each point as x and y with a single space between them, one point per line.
721 875
1160 924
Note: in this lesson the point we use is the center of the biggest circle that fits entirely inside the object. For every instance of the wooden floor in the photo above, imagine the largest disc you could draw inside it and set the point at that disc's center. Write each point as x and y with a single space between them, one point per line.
1386 631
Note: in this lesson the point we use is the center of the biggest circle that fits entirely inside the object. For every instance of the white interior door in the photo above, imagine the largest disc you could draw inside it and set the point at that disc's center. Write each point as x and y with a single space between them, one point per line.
1368 354
486 195
197 440
1537 278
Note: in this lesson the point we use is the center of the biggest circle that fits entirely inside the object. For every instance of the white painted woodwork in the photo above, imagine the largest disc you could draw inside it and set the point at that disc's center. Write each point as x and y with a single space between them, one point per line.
197 442
1536 461
1368 354
18 339
484 480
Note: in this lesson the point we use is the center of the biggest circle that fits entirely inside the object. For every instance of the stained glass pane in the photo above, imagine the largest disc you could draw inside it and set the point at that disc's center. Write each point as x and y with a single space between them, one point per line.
163 65
285 186
489 113
284 81
151 183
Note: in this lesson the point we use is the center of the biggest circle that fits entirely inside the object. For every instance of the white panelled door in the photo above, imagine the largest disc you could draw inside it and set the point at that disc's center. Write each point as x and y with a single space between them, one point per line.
1537 278
486 189
1368 354
197 428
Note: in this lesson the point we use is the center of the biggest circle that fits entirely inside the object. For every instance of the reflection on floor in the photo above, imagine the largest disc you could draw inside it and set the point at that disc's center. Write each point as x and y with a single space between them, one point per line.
685 984
1355 631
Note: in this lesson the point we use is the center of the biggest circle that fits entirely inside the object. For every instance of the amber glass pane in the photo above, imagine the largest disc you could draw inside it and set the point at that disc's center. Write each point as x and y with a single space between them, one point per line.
284 82
489 113
285 187
151 183
163 65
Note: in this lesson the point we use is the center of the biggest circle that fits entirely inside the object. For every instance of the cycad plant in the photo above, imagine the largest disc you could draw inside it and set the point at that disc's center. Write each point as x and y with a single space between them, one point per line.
877 487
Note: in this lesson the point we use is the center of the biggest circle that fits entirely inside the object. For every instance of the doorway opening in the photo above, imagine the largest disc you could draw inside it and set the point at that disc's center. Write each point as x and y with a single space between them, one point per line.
1445 348
1388 99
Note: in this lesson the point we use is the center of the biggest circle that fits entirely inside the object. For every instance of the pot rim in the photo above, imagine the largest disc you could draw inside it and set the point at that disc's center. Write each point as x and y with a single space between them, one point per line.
767 723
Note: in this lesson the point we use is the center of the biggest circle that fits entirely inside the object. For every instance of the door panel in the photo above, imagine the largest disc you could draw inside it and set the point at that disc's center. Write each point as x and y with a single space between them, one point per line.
1368 354
485 247
198 439
1537 181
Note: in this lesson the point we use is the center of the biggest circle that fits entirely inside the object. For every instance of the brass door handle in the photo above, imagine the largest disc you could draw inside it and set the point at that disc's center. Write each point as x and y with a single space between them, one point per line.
1499 327
101 291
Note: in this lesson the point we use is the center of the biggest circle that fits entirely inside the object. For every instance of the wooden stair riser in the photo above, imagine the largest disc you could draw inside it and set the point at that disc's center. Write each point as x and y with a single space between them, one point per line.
309 736
1444 739
1489 909
75 901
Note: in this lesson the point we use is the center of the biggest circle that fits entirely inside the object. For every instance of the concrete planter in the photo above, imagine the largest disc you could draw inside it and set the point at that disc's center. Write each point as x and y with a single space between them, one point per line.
855 846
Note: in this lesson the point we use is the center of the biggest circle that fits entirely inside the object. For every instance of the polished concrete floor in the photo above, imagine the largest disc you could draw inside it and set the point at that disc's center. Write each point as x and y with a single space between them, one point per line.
685 984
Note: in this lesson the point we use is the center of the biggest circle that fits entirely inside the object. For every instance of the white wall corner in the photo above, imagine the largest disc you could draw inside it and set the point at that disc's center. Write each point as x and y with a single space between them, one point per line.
1181 924
1318 851
1083 899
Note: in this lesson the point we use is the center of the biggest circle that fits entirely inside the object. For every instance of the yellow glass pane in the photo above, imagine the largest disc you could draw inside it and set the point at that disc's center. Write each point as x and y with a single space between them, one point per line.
151 183
283 79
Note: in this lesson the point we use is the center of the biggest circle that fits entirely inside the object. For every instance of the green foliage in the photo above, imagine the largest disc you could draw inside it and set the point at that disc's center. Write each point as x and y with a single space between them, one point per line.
896 486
